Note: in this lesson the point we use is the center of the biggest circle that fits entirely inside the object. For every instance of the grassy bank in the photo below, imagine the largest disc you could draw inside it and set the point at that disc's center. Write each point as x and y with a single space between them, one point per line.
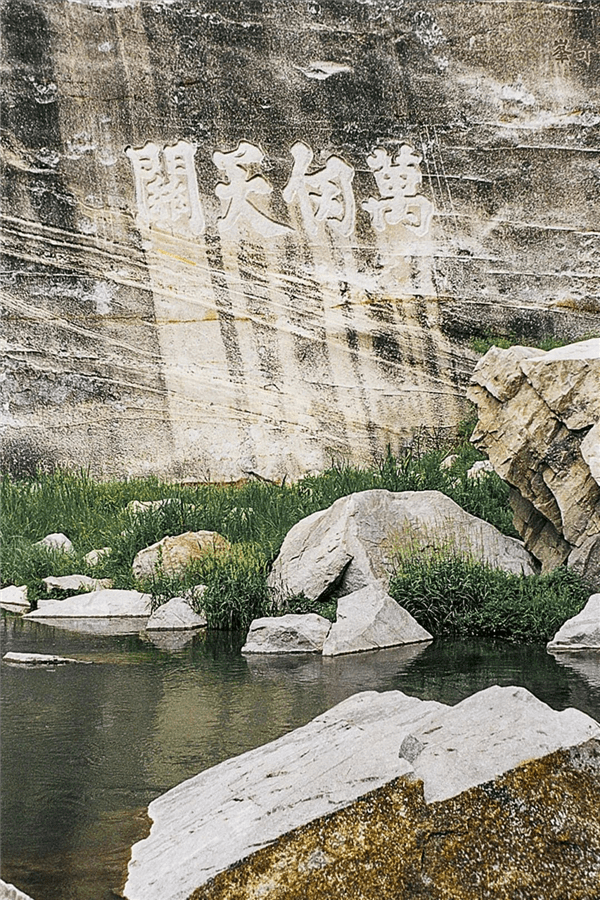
255 518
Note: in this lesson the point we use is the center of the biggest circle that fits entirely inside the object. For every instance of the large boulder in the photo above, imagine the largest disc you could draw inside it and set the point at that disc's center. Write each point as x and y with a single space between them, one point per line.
175 615
304 633
539 423
175 553
353 543
388 796
370 619
581 632
95 604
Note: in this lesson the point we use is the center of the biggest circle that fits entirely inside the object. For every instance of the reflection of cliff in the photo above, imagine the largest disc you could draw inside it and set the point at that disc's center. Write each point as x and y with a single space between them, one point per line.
249 240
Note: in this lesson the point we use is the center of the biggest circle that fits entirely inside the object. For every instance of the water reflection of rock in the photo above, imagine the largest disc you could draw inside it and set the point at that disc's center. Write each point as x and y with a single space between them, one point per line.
169 640
585 664
100 626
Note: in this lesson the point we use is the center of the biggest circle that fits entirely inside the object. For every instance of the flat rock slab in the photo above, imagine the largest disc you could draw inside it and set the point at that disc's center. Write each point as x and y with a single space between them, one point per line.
39 659
175 553
370 619
581 632
76 583
175 615
303 633
211 822
14 598
353 542
95 604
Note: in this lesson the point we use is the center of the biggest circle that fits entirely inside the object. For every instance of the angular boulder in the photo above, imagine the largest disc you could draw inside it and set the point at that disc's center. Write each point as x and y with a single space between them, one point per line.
539 423
175 553
304 633
14 598
386 796
55 541
581 632
175 615
76 583
352 543
370 619
95 604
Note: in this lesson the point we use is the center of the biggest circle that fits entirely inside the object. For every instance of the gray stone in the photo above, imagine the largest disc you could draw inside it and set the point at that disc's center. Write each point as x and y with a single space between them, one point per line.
38 659
287 634
76 583
175 615
143 506
581 632
96 604
480 469
95 556
218 818
370 619
14 598
175 553
56 541
10 892
353 543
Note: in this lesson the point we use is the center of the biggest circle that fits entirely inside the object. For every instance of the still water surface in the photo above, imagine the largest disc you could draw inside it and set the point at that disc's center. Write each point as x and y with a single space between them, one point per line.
85 748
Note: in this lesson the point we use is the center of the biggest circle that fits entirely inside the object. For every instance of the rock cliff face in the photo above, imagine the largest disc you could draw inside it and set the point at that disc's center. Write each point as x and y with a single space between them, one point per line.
539 422
245 237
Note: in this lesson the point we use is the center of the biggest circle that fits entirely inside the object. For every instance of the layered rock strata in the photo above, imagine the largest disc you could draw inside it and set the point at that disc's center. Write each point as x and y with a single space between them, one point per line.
387 795
539 422
353 543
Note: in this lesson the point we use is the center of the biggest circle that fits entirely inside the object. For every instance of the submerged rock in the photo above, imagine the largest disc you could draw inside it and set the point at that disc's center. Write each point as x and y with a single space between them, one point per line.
38 659
323 811
370 619
14 598
95 604
175 615
581 632
175 553
304 633
539 422
353 542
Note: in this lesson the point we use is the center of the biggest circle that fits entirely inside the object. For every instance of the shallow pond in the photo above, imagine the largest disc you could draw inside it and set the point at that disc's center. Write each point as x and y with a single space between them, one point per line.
85 748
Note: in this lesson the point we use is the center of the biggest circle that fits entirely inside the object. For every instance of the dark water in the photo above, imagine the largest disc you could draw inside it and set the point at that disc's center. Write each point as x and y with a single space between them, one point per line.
85 748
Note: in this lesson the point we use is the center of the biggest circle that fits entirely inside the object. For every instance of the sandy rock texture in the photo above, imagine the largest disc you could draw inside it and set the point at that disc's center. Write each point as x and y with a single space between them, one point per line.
174 553
539 422
386 795
253 238
352 544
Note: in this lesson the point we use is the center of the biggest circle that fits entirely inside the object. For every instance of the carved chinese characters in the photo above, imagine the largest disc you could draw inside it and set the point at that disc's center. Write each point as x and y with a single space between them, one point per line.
168 199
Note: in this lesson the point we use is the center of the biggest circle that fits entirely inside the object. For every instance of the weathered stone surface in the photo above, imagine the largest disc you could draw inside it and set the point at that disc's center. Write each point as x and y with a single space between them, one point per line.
76 583
581 632
94 556
480 469
10 892
56 541
539 417
370 619
174 553
95 604
188 321
37 659
371 741
175 615
14 598
351 544
287 634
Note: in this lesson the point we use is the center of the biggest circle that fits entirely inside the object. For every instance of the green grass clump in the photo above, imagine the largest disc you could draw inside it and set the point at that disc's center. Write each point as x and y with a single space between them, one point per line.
487 340
448 593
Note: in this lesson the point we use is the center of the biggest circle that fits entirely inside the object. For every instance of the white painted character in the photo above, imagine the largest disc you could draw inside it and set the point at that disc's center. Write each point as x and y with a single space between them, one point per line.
236 195
323 196
398 183
166 188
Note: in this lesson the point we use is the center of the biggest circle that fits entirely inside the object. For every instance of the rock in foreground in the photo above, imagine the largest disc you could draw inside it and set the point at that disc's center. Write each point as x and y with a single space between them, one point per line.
351 544
370 619
581 632
174 553
287 634
539 422
95 604
386 795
